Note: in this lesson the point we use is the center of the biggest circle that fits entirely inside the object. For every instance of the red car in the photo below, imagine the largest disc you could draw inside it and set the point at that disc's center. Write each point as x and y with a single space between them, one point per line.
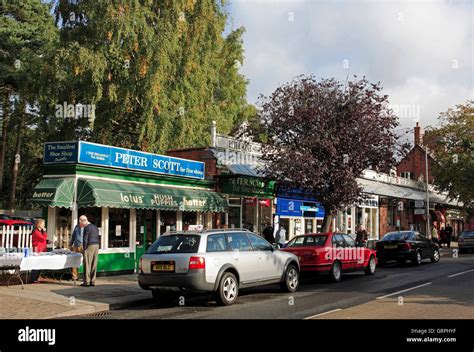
332 253
11 222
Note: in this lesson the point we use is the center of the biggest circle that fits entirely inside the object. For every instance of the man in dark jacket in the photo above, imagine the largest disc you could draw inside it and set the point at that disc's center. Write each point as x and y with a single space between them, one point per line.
91 242
268 233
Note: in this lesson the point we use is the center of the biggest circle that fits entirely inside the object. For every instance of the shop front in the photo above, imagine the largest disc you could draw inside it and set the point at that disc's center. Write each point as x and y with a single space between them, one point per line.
131 196
298 216
250 201
364 214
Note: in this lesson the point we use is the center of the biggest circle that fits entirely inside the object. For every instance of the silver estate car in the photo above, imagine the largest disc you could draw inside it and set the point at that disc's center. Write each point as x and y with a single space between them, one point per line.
219 261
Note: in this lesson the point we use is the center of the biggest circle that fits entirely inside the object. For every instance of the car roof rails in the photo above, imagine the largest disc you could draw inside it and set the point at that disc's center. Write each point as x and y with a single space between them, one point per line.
225 230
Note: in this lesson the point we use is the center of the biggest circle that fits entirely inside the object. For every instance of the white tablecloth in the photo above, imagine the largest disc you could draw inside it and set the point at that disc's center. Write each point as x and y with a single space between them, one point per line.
42 261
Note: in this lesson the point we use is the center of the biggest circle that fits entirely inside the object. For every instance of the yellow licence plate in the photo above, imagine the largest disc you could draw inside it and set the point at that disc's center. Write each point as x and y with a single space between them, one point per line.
163 267
390 246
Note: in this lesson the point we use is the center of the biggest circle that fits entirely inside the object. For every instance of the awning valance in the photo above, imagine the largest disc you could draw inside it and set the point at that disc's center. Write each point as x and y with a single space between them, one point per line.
92 193
54 192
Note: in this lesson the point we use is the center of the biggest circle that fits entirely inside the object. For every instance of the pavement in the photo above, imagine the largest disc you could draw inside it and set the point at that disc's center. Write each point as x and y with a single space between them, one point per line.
52 299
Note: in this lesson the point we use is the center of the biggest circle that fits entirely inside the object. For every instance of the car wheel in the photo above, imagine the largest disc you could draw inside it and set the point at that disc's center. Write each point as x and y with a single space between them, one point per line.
370 268
336 271
435 257
291 280
228 289
417 259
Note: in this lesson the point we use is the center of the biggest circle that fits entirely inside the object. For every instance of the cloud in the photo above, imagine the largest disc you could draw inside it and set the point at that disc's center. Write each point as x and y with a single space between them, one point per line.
421 52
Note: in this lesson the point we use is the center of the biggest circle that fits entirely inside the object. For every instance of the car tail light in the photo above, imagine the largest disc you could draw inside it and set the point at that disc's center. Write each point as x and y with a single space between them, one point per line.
406 246
197 263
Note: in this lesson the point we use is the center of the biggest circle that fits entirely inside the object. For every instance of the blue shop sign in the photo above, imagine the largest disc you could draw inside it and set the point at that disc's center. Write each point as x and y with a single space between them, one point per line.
108 156
296 208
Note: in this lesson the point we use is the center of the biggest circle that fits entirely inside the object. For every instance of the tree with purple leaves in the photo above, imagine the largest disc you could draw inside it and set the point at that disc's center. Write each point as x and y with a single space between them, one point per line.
322 134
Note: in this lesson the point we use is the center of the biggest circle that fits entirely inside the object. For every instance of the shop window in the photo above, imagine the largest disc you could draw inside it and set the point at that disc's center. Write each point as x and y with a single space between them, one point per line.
167 221
119 228
189 218
234 217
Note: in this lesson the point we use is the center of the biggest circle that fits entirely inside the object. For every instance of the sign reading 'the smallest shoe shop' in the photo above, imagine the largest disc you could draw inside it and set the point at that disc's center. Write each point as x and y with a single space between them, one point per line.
108 156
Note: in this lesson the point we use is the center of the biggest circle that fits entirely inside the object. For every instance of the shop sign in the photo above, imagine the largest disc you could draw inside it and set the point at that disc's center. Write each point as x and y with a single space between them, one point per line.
419 204
252 186
250 201
264 202
369 202
240 145
308 208
419 211
298 208
108 156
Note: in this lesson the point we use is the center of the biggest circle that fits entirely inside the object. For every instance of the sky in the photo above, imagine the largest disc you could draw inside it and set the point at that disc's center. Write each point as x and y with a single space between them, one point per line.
421 51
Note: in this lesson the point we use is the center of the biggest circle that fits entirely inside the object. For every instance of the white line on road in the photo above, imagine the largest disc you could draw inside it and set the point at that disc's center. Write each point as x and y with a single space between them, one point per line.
462 272
318 315
408 289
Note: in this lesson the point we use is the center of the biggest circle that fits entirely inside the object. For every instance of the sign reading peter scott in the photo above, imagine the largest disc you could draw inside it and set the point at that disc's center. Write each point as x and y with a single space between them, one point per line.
104 155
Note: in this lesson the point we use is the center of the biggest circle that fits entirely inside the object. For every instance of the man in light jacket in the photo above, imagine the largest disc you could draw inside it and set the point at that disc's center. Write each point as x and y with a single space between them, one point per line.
280 237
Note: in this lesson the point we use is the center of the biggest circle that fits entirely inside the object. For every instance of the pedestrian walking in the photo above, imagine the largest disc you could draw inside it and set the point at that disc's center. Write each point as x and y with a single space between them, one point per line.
268 233
449 234
76 244
91 241
280 236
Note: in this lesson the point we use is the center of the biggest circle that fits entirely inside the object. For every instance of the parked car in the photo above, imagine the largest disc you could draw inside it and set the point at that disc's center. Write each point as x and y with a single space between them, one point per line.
466 241
11 222
219 261
406 245
332 253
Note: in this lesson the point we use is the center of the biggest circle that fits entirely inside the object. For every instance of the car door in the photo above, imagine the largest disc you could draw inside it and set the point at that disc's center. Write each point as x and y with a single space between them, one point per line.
424 245
271 264
339 244
354 257
243 257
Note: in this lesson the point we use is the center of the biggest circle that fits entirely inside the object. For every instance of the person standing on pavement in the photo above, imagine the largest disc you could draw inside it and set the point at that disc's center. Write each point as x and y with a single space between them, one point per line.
449 234
39 240
268 233
91 241
280 236
434 235
75 244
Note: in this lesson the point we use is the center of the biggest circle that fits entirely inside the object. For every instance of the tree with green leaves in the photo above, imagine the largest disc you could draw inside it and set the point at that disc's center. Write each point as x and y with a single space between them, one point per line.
27 36
157 72
452 143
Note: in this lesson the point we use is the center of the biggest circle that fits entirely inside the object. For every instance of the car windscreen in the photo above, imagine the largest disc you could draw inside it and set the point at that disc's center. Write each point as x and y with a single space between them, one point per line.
399 236
180 243
307 241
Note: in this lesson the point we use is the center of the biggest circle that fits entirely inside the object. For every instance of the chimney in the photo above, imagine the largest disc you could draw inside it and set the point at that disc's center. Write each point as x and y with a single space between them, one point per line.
418 140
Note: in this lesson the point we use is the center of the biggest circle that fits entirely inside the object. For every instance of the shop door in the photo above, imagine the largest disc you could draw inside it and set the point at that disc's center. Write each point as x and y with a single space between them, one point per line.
145 233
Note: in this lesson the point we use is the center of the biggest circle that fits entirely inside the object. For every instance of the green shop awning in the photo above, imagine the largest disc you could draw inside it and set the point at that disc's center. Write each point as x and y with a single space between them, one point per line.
92 193
54 192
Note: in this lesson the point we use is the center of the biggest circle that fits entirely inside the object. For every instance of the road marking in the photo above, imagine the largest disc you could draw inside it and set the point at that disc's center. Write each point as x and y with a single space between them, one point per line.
318 315
462 272
408 289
